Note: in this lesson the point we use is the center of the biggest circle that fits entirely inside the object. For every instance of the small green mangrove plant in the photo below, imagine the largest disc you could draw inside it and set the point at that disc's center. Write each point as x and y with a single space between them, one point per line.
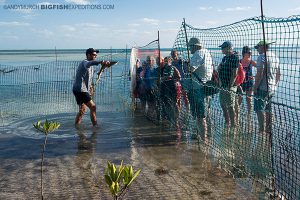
45 128
119 180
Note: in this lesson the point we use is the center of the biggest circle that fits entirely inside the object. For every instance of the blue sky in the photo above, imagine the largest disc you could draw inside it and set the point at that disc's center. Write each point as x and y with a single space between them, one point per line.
128 22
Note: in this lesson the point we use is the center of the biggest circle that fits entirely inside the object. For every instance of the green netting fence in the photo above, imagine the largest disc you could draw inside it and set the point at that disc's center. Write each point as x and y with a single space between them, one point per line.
269 162
46 89
272 160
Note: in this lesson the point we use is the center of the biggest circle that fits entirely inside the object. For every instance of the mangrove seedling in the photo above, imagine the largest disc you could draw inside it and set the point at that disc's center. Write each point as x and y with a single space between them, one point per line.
119 180
45 128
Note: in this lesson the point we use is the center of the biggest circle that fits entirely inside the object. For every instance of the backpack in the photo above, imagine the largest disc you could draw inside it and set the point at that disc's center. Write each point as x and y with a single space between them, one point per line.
211 87
241 74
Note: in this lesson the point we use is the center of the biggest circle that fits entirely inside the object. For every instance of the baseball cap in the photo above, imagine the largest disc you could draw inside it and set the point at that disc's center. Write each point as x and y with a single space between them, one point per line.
262 43
226 44
195 41
91 50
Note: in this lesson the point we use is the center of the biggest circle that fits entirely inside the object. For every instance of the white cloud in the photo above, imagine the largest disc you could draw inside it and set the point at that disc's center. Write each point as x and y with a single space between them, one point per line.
8 36
69 35
134 25
2 2
205 8
14 23
47 3
90 25
148 33
238 8
211 22
24 11
30 16
68 28
124 31
82 30
172 21
169 30
295 10
151 21
80 2
44 33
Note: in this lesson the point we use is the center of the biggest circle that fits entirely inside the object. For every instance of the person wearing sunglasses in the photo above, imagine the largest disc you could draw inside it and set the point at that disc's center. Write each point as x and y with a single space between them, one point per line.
82 87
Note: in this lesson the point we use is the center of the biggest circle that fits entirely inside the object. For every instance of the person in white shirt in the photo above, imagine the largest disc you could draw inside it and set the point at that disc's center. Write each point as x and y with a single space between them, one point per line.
266 80
201 66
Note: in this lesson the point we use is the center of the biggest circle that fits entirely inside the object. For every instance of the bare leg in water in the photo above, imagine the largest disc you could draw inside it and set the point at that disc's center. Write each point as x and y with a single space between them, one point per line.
261 121
91 105
203 127
226 115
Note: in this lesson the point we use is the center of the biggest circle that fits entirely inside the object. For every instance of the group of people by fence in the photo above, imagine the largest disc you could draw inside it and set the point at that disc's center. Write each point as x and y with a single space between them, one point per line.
147 83
163 83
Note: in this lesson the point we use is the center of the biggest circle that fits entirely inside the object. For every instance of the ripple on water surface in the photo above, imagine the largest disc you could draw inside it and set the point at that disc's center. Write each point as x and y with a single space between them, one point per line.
24 127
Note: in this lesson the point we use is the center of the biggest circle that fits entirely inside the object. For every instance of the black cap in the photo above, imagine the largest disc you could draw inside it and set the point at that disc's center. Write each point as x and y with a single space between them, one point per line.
226 44
90 51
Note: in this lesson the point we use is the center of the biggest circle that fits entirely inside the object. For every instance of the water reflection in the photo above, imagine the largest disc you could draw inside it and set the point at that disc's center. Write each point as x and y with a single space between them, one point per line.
244 154
86 147
86 144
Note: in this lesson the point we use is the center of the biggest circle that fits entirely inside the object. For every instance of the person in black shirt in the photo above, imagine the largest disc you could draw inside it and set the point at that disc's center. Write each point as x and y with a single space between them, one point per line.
227 74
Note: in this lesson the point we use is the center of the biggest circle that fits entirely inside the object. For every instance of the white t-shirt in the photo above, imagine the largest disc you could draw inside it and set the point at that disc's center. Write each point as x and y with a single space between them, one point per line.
272 70
201 64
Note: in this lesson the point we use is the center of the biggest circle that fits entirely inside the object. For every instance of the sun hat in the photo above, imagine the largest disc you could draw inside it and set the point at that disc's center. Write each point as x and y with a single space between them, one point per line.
262 43
91 50
226 44
195 42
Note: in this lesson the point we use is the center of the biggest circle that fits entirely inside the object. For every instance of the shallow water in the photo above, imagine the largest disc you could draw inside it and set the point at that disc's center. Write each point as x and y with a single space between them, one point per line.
75 160
76 157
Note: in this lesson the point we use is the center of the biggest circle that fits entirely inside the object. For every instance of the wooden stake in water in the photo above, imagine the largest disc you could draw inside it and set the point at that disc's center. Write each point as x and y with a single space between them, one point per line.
55 54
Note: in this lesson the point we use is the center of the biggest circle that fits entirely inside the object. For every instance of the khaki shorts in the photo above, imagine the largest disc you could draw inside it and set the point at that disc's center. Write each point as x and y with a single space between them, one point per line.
228 97
263 101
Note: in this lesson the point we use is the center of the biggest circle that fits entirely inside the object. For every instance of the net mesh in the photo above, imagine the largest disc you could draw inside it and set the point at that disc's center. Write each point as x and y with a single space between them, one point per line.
269 158
270 162
44 89
144 72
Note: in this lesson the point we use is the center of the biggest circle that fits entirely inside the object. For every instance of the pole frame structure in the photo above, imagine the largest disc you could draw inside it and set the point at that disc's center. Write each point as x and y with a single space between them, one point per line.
265 71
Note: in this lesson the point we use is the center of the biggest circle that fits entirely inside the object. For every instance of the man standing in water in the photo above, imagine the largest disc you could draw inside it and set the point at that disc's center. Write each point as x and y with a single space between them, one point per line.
202 68
82 87
266 80
227 70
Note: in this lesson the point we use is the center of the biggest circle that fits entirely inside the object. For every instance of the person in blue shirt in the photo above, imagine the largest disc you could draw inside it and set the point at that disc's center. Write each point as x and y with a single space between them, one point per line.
149 84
